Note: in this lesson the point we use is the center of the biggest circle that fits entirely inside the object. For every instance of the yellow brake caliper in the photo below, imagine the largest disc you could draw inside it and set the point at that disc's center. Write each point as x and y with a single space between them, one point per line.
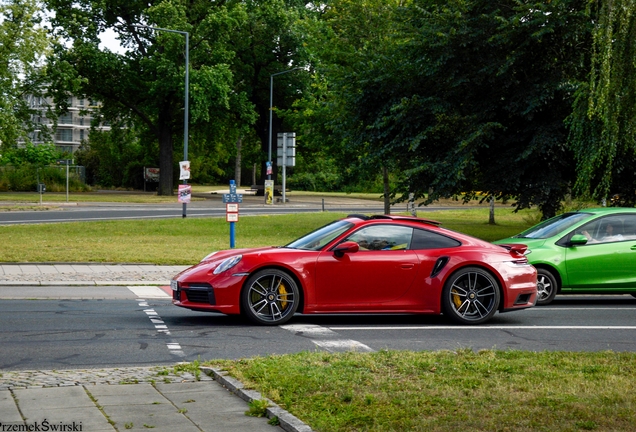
283 295
456 298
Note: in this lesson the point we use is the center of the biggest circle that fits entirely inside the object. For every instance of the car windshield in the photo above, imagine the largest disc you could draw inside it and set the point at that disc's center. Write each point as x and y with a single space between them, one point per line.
553 226
317 239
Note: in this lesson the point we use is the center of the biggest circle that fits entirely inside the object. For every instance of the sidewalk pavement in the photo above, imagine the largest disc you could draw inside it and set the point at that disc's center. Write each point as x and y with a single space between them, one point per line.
86 274
136 398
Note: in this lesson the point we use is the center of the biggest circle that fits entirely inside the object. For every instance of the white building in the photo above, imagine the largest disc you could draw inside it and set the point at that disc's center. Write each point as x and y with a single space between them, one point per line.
72 127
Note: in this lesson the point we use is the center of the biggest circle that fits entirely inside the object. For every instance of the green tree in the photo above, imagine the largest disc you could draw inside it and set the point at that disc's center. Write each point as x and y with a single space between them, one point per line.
23 41
460 97
40 155
146 83
604 120
344 42
270 42
114 158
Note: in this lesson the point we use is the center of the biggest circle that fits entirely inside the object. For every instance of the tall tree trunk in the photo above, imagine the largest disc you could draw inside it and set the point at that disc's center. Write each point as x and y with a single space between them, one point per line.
237 166
165 154
491 217
387 191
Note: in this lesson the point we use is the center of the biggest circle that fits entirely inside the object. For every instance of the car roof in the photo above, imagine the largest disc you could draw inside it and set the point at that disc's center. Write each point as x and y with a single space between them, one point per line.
395 218
609 210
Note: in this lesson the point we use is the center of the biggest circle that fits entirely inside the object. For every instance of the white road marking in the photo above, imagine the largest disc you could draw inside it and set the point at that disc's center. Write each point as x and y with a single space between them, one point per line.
174 346
582 308
326 338
486 327
341 345
160 326
152 292
311 330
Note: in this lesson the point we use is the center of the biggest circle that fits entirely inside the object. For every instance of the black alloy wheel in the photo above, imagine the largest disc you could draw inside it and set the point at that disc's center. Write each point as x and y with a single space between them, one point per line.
270 297
470 296
547 287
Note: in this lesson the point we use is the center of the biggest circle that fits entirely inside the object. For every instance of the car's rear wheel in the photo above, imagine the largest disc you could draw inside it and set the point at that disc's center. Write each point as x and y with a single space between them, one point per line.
547 287
470 296
270 297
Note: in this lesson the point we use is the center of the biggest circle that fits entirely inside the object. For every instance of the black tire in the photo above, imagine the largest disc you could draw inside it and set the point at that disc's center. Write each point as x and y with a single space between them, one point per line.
470 296
547 287
270 297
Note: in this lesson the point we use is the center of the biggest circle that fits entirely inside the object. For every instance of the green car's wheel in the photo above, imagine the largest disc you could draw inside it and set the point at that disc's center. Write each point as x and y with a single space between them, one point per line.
547 287
270 297
470 296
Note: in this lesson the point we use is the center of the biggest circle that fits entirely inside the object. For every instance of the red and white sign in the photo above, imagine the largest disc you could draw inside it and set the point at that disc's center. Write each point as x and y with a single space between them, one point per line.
231 212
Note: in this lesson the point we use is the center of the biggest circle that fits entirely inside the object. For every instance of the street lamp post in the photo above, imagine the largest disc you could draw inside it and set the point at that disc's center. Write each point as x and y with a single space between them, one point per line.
271 108
187 88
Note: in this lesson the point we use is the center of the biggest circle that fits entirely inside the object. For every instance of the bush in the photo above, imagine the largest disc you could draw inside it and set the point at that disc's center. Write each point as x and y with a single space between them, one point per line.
25 178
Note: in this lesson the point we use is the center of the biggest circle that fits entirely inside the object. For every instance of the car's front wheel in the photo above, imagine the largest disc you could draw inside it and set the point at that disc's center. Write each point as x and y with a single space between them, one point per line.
470 296
546 287
270 297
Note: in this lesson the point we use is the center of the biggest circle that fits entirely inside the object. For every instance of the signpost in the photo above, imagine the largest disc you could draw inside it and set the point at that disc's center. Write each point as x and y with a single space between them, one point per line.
66 162
286 155
41 190
232 201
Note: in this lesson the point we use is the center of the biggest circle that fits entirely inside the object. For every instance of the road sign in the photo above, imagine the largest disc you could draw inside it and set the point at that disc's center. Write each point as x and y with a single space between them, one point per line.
232 198
231 201
286 149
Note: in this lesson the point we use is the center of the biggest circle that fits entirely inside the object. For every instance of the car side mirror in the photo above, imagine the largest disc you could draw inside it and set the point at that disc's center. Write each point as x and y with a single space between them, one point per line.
578 239
345 247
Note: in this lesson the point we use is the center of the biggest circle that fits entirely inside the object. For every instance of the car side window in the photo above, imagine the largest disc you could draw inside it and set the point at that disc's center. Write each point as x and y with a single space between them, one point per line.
424 239
629 227
382 237
609 229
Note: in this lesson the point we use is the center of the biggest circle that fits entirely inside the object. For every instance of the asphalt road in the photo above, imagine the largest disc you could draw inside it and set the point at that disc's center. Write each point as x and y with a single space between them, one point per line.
212 207
88 327
141 211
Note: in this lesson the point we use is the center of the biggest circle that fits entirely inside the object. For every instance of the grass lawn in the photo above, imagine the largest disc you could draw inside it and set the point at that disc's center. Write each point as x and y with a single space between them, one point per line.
186 241
445 391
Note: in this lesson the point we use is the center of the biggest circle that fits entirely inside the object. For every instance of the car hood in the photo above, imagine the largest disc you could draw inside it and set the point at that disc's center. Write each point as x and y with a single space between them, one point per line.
210 262
531 243
222 254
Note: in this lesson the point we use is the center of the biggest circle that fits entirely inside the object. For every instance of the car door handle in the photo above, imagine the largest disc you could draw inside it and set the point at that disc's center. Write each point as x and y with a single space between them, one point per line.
633 247
407 266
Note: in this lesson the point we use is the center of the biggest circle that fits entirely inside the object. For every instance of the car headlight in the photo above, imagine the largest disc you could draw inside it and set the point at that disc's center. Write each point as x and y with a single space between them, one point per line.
208 256
228 264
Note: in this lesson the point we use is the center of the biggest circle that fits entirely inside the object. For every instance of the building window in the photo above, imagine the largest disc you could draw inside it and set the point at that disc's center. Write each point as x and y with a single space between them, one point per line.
64 135
65 119
65 149
81 134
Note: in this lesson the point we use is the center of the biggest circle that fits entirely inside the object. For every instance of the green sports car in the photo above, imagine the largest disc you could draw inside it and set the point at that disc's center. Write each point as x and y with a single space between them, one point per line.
591 251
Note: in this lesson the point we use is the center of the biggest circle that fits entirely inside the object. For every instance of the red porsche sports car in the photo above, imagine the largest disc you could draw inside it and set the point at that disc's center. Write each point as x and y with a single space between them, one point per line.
364 264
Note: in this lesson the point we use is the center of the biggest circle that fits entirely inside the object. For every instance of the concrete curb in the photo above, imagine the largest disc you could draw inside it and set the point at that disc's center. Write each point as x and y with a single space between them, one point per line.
287 421
86 283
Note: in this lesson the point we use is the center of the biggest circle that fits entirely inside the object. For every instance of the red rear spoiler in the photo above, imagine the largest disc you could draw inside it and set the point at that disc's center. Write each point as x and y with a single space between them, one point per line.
516 248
